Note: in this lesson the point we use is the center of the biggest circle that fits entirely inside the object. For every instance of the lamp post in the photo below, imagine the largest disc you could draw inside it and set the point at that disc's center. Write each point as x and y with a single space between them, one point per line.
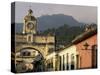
86 45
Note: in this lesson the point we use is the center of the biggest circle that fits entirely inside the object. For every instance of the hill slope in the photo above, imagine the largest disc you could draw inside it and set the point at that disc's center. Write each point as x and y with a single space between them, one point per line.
51 21
56 20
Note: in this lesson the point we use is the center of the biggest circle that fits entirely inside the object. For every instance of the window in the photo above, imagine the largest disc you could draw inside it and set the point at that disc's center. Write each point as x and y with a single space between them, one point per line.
51 50
28 54
25 53
29 38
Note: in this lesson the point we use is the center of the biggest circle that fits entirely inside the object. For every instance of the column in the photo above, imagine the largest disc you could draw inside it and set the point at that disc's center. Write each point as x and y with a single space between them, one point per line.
62 62
24 27
65 62
54 63
69 62
75 62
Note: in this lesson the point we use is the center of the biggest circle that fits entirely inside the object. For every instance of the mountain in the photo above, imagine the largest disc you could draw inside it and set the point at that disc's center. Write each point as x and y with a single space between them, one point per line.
56 20
51 21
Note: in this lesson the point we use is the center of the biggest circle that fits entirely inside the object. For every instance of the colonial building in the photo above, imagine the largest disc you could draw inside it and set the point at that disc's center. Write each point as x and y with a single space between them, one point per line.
86 47
67 58
31 48
80 54
51 61
37 52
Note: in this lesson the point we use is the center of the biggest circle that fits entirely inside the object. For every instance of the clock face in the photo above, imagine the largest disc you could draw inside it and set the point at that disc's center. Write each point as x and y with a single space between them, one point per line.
30 25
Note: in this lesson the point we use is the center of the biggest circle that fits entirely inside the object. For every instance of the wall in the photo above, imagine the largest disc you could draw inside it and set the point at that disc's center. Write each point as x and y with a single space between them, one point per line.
85 56
66 57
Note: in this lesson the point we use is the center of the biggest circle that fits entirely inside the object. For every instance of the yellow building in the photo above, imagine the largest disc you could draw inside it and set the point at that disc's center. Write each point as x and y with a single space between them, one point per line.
32 48
36 52
50 61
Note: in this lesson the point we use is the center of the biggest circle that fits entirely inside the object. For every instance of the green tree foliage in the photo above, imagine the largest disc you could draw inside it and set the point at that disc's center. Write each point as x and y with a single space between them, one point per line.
65 33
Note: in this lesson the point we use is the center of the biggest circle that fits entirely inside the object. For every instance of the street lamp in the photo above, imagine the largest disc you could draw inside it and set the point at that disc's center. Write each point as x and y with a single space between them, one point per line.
86 45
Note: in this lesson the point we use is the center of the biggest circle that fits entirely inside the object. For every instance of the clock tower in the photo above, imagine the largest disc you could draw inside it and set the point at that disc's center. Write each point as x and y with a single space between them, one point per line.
30 23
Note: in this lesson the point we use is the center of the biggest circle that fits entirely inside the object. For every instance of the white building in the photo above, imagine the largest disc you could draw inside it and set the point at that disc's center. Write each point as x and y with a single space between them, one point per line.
67 58
50 60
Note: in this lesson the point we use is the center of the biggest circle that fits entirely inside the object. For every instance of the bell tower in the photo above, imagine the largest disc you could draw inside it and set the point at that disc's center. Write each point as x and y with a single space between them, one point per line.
30 23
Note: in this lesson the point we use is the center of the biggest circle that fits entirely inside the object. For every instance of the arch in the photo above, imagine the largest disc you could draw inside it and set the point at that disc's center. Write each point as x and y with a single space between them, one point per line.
34 49
36 63
41 50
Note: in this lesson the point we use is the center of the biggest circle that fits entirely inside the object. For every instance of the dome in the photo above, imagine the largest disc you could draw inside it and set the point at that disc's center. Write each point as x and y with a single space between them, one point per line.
29 16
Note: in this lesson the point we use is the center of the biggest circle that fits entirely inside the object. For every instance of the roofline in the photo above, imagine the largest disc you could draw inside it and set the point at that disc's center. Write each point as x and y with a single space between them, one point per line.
84 36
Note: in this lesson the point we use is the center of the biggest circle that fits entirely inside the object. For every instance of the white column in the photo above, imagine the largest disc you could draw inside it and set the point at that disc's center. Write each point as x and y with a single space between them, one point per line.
62 62
75 62
65 62
54 63
69 62
24 27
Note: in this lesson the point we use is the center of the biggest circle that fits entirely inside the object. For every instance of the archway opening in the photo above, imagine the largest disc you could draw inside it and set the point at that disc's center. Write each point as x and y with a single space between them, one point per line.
30 60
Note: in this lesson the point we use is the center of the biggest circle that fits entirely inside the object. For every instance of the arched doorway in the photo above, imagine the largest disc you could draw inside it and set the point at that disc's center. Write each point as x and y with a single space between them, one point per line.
94 56
31 60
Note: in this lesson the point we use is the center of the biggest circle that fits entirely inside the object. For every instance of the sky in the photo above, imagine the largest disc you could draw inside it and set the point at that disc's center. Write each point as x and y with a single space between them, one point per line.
84 14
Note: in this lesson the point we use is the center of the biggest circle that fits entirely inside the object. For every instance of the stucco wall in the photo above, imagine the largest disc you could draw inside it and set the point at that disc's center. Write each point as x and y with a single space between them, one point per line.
63 54
86 55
